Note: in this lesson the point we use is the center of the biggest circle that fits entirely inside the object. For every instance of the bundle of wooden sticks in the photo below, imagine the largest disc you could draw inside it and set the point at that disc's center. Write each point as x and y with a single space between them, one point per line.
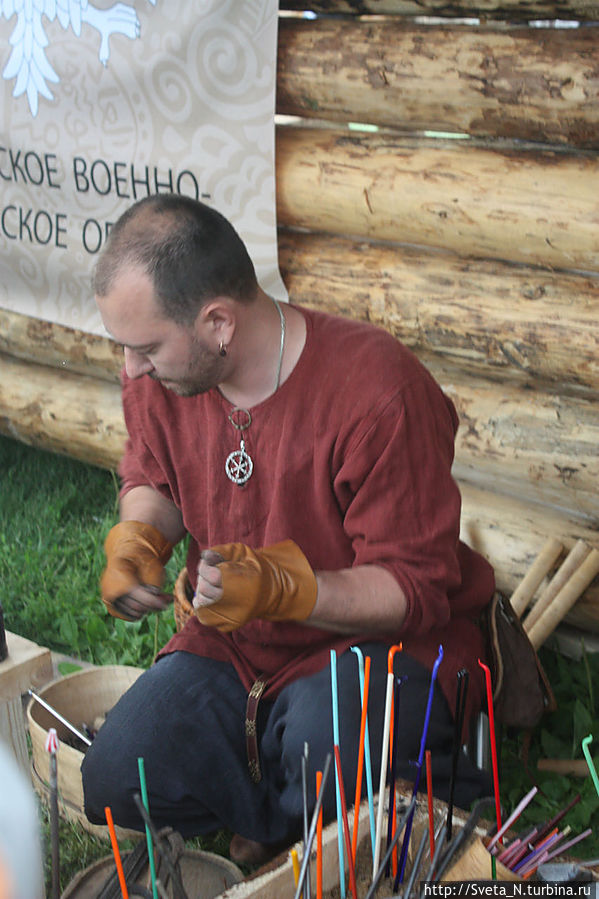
558 596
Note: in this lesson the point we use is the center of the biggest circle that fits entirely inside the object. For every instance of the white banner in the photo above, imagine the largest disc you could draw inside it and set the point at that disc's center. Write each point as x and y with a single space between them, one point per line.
105 103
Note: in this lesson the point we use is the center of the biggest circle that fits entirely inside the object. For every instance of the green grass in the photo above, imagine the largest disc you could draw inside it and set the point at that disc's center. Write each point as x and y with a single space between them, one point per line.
559 736
54 515
80 849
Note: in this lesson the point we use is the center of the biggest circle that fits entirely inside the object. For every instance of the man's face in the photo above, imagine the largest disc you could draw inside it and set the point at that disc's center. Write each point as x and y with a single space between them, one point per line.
176 355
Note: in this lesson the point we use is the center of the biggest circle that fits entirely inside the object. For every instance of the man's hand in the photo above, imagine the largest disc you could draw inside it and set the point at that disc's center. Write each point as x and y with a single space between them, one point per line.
132 581
209 588
237 584
140 601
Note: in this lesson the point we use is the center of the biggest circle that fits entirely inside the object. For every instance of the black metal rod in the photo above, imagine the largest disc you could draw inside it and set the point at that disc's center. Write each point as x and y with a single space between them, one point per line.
463 835
416 864
313 823
402 823
174 874
460 707
54 838
306 825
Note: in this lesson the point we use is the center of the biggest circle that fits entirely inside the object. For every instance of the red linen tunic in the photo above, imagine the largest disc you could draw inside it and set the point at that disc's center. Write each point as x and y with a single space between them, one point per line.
352 460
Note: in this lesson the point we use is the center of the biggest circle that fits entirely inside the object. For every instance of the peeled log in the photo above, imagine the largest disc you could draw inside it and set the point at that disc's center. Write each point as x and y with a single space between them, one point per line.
82 417
536 207
67 413
495 318
47 343
525 83
512 9
539 447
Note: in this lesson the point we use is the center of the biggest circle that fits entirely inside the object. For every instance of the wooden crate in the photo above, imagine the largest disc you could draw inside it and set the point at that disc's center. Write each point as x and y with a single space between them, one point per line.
28 665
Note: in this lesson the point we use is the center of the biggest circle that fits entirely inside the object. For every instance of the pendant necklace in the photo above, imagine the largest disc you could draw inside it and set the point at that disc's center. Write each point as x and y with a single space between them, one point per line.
239 464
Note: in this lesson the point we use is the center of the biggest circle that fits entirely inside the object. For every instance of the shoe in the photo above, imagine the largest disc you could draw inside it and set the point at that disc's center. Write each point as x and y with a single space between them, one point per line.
249 852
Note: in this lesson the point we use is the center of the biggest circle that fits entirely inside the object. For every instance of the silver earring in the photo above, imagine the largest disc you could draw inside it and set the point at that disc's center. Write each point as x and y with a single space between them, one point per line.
222 350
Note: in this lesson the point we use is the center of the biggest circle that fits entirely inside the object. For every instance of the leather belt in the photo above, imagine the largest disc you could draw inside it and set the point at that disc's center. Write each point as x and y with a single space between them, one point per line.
251 728
251 712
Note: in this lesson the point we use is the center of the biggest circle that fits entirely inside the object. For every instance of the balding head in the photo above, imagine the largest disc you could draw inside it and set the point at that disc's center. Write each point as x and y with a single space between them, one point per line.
190 252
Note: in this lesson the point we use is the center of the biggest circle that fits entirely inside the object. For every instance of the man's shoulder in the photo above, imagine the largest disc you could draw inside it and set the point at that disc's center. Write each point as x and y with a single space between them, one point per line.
362 371
361 346
345 325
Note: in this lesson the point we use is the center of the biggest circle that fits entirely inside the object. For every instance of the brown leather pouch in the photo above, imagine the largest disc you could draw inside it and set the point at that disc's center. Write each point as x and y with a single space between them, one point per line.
521 690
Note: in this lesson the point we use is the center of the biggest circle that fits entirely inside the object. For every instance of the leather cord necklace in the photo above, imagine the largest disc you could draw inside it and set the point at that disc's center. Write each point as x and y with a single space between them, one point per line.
239 464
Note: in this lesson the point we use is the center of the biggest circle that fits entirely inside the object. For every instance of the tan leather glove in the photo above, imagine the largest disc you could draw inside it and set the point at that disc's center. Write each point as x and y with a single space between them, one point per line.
136 553
275 583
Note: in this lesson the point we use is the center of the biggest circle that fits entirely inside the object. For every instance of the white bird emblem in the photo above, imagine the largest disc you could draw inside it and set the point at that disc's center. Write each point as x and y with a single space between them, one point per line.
28 63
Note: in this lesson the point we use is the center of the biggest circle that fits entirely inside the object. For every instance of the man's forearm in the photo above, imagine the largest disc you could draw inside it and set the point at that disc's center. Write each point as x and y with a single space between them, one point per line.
366 598
147 505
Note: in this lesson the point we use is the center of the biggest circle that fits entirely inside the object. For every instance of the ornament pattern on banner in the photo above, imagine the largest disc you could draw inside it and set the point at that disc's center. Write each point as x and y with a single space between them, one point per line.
101 107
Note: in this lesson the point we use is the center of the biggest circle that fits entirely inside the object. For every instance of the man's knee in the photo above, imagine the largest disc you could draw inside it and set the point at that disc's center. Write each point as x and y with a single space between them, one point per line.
94 796
106 782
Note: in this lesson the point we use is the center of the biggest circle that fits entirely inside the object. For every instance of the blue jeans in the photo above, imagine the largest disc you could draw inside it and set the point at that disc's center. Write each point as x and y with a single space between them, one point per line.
185 717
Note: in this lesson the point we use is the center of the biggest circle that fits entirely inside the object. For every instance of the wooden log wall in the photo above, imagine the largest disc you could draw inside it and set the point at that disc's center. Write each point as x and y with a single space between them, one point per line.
460 211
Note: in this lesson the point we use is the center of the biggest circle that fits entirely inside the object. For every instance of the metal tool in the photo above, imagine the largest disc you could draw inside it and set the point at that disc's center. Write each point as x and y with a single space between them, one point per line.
51 749
463 835
431 873
416 865
60 718
312 831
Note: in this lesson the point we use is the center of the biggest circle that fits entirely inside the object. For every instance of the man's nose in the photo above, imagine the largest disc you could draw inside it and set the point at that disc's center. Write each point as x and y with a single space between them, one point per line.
136 364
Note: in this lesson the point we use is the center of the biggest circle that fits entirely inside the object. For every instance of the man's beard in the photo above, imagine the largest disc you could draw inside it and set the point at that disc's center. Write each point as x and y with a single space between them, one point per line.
204 372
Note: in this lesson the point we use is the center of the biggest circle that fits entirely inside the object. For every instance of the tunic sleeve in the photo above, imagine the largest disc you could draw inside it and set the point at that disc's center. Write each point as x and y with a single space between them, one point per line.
402 506
139 466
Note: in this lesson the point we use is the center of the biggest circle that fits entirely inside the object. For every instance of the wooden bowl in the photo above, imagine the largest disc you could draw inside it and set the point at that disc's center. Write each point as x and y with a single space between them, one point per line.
204 875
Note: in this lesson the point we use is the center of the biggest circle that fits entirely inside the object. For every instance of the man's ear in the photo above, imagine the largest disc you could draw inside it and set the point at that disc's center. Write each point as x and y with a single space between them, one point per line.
216 320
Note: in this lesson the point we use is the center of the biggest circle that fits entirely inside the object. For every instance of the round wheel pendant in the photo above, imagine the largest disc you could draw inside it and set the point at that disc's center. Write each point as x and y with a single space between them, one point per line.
239 466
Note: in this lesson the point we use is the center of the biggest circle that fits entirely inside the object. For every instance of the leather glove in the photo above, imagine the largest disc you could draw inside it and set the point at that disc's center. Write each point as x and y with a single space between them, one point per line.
275 583
136 553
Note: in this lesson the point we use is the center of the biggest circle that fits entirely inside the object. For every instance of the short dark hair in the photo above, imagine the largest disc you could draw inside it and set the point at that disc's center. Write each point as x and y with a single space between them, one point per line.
190 251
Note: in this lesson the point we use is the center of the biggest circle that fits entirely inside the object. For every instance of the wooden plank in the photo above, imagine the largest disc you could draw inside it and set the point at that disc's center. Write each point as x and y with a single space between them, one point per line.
514 10
27 665
535 445
13 731
526 83
532 207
